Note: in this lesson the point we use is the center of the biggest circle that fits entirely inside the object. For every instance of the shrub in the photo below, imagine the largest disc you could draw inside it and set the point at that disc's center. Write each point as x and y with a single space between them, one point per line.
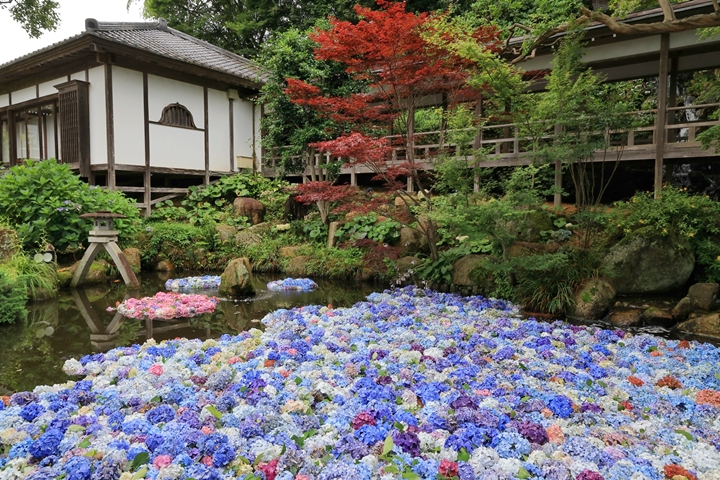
43 201
175 242
12 300
367 226
38 280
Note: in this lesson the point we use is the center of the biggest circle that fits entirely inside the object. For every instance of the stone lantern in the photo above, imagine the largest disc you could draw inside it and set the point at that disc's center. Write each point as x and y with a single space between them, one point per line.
104 236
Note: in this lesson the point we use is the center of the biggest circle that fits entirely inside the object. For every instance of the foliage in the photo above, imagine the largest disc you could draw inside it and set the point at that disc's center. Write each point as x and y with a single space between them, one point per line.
204 215
332 262
37 279
705 86
12 300
439 271
176 242
208 200
43 201
368 226
378 257
312 228
34 16
695 217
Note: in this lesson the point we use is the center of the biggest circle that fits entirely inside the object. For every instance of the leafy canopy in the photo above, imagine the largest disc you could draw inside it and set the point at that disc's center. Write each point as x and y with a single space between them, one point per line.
34 16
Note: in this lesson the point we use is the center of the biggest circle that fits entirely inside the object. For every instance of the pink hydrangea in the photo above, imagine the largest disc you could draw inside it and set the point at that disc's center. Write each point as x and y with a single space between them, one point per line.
162 461
156 369
168 306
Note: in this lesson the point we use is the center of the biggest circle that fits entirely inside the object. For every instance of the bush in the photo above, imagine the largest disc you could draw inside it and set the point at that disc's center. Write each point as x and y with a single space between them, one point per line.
12 300
367 226
175 242
695 217
43 201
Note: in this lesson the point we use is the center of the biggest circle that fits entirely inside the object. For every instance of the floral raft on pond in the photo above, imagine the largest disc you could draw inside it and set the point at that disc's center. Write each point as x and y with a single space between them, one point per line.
167 306
410 384
207 282
301 284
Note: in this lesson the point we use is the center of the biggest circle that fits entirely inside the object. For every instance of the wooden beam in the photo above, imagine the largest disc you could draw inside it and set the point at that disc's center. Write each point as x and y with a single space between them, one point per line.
231 104
661 116
110 127
146 128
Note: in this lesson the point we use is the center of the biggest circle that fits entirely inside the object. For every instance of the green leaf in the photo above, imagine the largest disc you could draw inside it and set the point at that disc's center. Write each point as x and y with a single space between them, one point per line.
140 473
391 469
399 426
685 434
588 382
76 428
388 445
140 459
298 380
717 375
85 443
156 399
215 412
411 475
463 455
522 473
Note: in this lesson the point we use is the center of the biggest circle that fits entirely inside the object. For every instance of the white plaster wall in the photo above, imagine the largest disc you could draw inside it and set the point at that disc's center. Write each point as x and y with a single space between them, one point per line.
48 88
129 117
50 125
243 122
4 100
98 128
78 76
258 143
24 95
219 129
177 147
163 91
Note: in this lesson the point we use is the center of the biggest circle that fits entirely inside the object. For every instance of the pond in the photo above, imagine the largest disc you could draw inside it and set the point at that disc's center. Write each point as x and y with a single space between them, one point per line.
77 323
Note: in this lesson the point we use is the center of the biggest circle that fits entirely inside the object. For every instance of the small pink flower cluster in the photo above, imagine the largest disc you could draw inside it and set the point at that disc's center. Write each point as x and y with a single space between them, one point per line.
167 306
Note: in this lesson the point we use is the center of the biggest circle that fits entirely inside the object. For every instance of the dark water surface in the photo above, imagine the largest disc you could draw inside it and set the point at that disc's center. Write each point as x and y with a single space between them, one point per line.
77 323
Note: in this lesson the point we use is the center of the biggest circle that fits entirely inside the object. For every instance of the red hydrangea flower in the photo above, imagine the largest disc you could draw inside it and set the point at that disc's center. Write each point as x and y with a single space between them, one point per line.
448 469
672 471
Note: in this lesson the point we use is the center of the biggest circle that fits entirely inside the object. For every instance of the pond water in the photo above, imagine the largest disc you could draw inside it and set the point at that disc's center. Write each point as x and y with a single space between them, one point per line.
77 323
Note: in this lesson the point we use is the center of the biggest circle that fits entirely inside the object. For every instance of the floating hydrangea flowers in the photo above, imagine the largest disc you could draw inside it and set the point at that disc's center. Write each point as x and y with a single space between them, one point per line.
206 282
301 284
167 306
410 384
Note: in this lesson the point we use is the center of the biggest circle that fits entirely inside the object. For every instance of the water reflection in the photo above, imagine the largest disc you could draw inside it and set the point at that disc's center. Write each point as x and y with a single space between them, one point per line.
78 323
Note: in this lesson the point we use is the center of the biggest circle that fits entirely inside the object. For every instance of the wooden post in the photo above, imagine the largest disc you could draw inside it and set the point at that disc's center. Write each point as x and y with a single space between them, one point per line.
672 100
147 179
206 177
661 117
110 127
477 143
353 177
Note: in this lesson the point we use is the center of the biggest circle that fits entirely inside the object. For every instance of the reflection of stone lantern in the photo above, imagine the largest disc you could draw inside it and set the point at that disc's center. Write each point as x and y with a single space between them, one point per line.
104 236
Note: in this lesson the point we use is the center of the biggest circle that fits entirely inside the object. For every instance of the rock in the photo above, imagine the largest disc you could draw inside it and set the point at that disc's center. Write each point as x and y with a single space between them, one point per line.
626 317
250 208
41 294
703 296
261 228
332 233
9 243
64 277
683 309
463 267
164 266
297 266
248 238
535 221
133 257
647 262
237 278
283 227
412 241
95 276
702 324
406 264
658 317
295 210
593 299
365 274
290 252
399 202
225 232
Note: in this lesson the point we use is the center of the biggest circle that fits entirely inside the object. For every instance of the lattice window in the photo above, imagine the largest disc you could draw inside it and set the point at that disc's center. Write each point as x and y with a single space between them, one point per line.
177 115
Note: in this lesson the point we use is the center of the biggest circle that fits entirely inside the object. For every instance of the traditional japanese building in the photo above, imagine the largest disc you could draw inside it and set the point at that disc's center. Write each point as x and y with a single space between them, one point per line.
137 107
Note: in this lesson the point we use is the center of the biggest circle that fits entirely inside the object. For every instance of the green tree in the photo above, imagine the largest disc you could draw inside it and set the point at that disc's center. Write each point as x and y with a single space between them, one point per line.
34 16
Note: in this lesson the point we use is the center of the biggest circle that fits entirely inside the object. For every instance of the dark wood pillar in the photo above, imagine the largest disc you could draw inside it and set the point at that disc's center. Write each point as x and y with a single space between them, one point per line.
231 104
661 117
206 179
110 127
672 99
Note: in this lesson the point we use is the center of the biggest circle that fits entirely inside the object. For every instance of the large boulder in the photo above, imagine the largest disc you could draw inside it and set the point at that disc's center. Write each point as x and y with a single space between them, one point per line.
96 274
683 309
412 241
248 237
703 296
225 232
133 257
407 264
625 317
463 267
535 221
702 324
237 278
658 317
290 252
647 262
250 208
592 300
297 267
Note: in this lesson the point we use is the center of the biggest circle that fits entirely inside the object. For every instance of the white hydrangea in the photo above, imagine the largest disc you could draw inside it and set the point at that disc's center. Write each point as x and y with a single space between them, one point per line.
171 472
74 367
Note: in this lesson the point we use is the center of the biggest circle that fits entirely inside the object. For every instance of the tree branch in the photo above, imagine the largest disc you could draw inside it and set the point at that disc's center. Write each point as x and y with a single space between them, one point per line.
676 25
667 9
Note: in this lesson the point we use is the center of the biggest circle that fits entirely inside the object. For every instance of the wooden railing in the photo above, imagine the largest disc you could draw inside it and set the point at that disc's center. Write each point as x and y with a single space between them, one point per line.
504 146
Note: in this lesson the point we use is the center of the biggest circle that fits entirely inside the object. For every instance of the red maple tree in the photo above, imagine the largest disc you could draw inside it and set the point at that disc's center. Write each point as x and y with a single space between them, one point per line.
389 49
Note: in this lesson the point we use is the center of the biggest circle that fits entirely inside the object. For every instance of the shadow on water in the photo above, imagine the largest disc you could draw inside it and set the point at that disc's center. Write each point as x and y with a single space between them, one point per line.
77 323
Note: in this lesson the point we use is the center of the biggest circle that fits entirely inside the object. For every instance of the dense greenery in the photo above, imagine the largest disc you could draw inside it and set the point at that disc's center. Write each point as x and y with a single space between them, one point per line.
12 300
43 201
34 16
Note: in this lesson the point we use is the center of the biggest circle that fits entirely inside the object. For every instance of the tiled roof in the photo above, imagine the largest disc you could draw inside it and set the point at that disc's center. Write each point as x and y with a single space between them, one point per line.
158 38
